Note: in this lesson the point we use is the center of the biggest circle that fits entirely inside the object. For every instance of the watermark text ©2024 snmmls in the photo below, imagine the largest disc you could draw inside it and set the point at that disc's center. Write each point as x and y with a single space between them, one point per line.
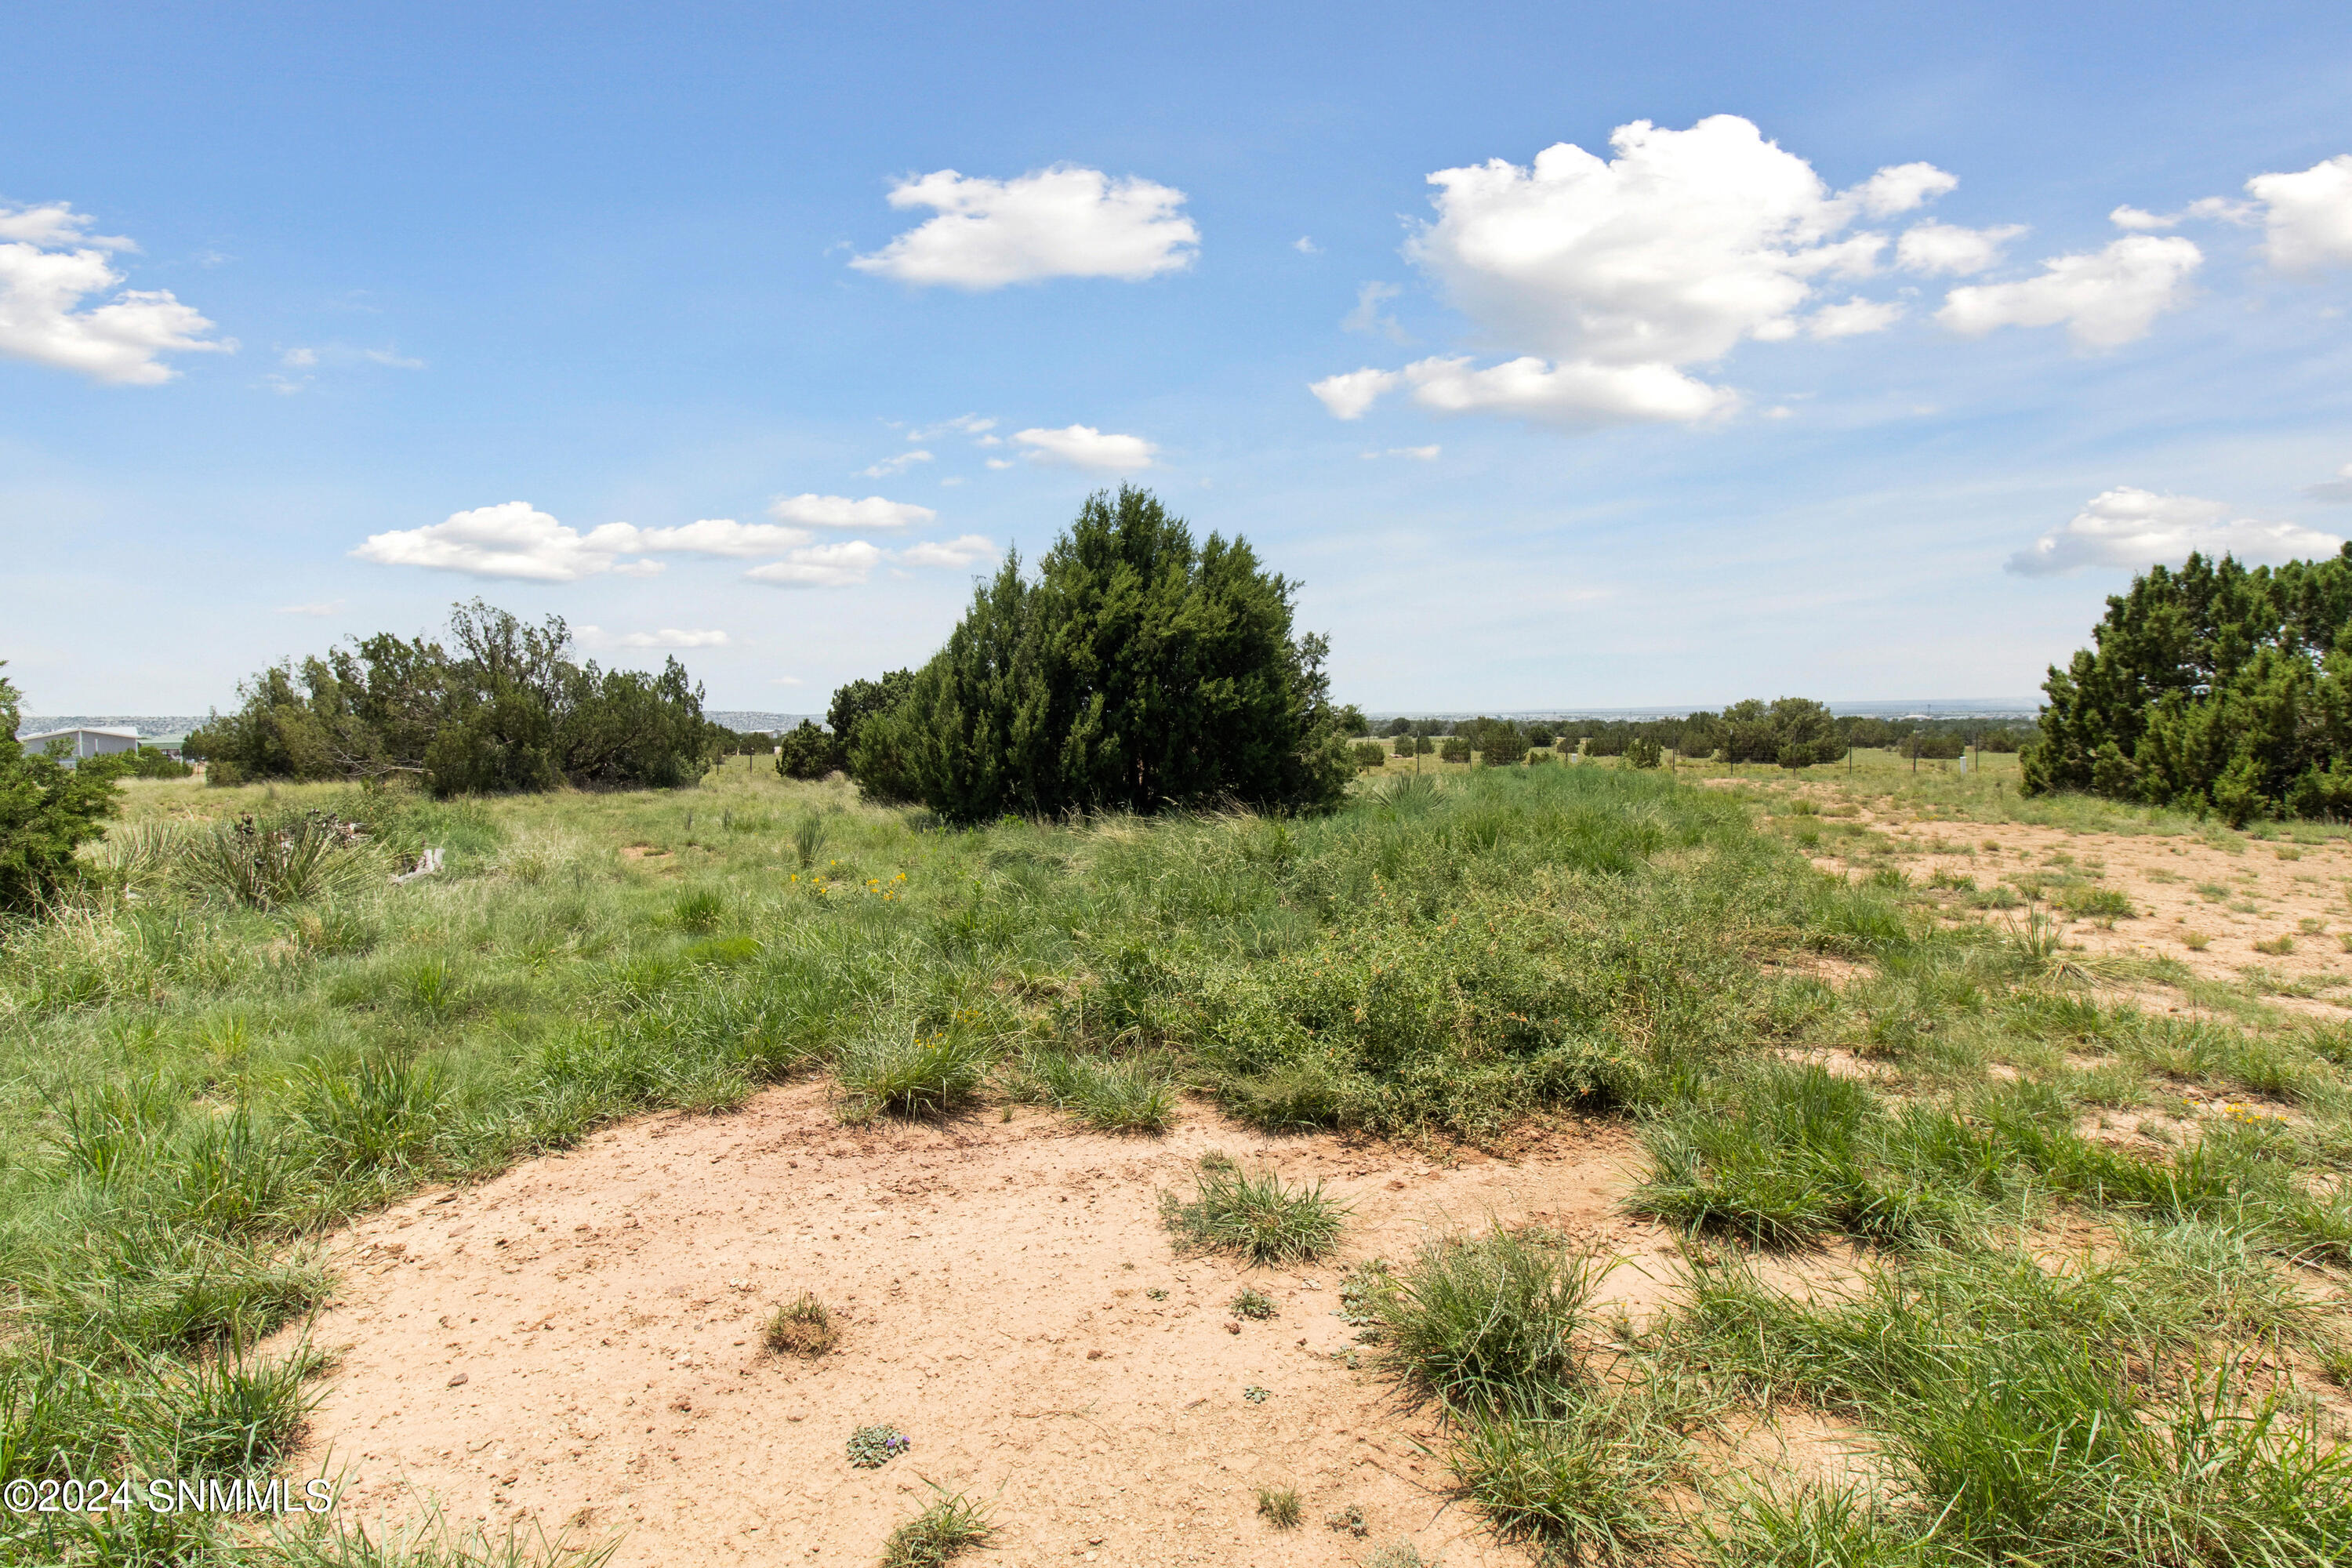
168 1494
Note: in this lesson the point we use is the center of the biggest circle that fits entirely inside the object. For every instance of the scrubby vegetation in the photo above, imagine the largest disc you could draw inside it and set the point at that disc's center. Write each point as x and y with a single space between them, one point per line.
2064 1344
2212 687
504 708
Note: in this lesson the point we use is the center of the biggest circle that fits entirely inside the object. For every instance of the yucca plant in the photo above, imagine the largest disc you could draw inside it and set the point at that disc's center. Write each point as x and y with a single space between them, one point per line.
264 863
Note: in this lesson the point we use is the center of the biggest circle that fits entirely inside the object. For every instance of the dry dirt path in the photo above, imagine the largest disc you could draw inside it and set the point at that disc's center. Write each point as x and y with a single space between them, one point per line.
578 1341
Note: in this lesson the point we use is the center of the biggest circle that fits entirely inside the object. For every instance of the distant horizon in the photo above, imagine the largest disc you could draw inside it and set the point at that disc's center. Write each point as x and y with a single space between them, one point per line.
751 719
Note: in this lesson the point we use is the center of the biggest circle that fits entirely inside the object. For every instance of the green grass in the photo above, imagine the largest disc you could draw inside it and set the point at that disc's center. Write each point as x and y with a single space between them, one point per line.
1108 1095
1488 1322
1280 1507
1254 1214
195 1084
802 1326
2042 1416
950 1525
907 1072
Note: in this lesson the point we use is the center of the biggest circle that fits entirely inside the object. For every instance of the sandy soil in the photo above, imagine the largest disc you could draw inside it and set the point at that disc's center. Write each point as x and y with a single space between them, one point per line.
2268 895
577 1341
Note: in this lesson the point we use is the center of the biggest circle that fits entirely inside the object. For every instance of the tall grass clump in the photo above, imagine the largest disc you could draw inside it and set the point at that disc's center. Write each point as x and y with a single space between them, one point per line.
1488 1322
1784 1154
911 1072
950 1525
2036 1415
1109 1096
269 861
1253 1215
1570 1459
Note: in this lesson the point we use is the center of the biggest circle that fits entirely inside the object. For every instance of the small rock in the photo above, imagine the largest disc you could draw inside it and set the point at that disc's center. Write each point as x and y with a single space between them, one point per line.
456 1380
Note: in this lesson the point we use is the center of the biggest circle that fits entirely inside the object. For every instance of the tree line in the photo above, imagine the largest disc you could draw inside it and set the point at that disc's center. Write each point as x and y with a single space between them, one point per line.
500 706
1795 731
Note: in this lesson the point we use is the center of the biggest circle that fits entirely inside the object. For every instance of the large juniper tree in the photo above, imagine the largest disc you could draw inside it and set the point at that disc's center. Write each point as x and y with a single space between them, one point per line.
1138 670
2212 687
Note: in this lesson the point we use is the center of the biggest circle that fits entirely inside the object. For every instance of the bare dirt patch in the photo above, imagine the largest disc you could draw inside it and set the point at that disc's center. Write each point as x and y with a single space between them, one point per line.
2177 886
579 1340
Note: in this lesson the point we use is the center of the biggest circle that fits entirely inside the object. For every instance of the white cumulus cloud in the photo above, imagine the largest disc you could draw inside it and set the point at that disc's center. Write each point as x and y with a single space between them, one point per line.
841 512
1903 187
898 463
961 550
842 565
1608 278
1061 222
668 636
1572 391
55 225
1084 446
1951 249
512 539
1853 318
2133 529
2307 216
2104 298
711 536
2338 489
1349 395
49 266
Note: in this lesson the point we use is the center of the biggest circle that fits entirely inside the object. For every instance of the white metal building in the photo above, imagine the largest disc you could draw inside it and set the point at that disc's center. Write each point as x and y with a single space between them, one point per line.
82 743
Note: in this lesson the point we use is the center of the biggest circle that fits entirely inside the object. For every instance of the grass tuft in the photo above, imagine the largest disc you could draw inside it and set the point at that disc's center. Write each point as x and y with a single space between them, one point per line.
1488 1322
803 1326
1109 1096
950 1525
699 910
1253 1215
1280 1507
911 1073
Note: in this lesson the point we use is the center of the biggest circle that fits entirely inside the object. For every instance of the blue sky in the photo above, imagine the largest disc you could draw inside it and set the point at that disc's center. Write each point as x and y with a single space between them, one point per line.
1710 408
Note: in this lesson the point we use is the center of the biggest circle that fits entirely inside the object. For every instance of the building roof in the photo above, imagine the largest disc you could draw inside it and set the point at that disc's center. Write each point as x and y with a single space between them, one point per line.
81 730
